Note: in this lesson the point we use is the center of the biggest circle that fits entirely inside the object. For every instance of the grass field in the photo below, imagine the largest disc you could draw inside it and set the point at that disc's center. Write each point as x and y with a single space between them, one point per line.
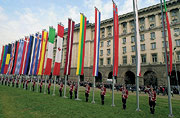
20 103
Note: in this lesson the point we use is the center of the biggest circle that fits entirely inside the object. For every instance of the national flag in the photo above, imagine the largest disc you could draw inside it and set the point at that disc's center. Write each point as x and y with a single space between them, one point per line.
67 67
2 54
96 41
11 59
50 51
60 34
169 39
137 40
7 59
115 39
15 58
19 57
42 53
29 50
4 59
81 50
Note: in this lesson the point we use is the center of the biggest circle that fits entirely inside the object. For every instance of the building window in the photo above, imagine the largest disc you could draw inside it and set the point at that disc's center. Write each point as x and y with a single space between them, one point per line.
108 51
167 44
124 59
132 39
152 18
124 40
176 31
103 32
133 48
108 61
154 58
178 42
142 21
153 36
142 37
143 47
124 50
163 33
101 52
143 58
109 30
101 62
153 46
152 25
133 59
101 44
108 43
124 24
178 56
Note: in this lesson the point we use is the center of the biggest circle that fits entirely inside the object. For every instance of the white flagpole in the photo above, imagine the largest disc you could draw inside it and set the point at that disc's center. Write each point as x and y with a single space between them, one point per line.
78 88
93 101
54 85
45 84
65 84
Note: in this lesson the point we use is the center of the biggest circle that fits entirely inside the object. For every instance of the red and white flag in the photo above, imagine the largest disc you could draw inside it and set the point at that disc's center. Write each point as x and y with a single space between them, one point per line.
60 34
67 67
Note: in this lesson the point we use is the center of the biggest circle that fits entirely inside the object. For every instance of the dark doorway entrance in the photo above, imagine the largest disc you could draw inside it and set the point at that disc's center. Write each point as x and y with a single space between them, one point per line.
129 78
150 78
99 77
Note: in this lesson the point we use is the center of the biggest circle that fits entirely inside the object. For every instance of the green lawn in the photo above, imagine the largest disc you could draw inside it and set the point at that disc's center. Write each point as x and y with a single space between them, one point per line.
20 103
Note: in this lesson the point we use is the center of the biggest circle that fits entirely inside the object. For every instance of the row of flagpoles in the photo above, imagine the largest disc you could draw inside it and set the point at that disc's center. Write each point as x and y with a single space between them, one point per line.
27 56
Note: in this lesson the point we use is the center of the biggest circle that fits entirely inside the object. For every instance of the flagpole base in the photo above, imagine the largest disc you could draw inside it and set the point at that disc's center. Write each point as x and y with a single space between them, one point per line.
78 99
65 96
138 109
113 105
170 115
53 94
44 93
93 102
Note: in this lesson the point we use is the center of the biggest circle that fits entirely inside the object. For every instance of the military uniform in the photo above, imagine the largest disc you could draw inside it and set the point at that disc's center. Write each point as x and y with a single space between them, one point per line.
6 81
27 84
124 97
49 86
41 86
24 82
87 92
103 93
71 90
17 83
34 83
75 90
13 82
152 100
60 89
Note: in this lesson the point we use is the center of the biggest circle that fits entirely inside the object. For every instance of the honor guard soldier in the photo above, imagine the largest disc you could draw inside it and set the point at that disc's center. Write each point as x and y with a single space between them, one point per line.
27 84
24 83
75 90
124 96
49 86
13 82
2 81
41 86
152 100
17 83
87 91
6 81
60 89
34 83
103 93
71 90
9 82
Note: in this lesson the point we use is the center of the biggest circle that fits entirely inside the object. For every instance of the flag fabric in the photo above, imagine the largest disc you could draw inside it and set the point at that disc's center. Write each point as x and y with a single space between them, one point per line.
60 34
7 59
81 50
42 53
169 39
29 50
4 59
11 59
137 40
96 41
35 63
2 55
52 34
115 39
15 58
67 67
19 57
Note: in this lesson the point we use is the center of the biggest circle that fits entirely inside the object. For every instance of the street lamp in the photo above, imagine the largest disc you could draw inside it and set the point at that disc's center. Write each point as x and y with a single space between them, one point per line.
176 70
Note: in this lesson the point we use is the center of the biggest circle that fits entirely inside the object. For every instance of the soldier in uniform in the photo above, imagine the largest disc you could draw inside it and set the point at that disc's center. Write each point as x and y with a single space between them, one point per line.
124 96
87 90
152 100
41 86
17 83
27 84
71 90
9 82
75 90
34 83
13 82
103 93
49 86
60 89
6 81
24 83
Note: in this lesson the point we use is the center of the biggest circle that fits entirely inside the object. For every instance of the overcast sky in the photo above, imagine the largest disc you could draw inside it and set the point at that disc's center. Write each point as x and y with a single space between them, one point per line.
19 18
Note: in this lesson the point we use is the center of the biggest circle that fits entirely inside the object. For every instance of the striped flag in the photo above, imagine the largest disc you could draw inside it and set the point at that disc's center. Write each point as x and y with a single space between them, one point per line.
27 61
11 59
169 39
15 58
60 34
2 54
42 53
115 39
137 41
50 51
19 57
4 59
81 50
67 67
96 41
7 59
